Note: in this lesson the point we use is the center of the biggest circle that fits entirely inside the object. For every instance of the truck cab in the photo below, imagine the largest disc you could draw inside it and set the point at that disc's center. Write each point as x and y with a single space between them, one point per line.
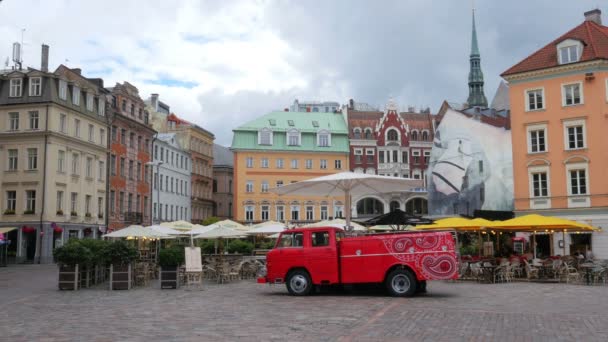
404 261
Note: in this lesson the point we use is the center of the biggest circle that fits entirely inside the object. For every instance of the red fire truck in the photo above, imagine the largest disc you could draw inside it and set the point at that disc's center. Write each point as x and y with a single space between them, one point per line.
307 257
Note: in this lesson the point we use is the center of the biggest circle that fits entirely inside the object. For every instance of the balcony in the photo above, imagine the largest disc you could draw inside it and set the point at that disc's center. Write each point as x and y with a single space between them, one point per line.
133 217
393 166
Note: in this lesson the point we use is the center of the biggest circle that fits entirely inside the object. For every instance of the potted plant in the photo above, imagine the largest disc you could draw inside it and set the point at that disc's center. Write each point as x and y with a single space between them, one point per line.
120 255
28 212
87 215
100 216
170 259
69 257
73 213
94 271
9 212
59 212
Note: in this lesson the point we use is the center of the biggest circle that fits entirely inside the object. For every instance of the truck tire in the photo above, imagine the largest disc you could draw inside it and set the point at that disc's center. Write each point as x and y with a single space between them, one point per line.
299 283
401 283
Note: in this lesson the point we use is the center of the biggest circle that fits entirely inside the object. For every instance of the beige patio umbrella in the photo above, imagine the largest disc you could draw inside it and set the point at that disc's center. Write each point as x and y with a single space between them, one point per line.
337 223
220 233
265 228
178 225
136 231
232 225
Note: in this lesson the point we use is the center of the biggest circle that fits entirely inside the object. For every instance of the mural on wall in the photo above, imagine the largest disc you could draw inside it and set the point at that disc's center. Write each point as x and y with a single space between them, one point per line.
470 167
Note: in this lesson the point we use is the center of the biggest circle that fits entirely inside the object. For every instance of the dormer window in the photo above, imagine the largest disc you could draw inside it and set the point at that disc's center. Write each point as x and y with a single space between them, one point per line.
392 135
90 99
323 139
16 86
76 96
569 51
102 107
265 137
293 137
35 86
63 90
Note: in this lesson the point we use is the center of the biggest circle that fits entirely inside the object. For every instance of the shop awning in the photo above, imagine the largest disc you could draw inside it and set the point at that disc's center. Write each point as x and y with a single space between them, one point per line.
6 229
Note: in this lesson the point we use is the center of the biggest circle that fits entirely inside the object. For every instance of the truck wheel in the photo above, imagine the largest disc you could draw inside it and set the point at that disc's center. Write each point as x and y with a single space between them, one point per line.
299 283
401 283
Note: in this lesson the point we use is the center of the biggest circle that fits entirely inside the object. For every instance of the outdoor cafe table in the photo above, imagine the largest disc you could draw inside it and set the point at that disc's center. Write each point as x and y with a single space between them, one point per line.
588 268
487 273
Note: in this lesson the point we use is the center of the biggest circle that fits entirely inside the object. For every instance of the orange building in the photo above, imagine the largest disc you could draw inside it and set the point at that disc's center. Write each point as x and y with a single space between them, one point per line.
559 120
281 148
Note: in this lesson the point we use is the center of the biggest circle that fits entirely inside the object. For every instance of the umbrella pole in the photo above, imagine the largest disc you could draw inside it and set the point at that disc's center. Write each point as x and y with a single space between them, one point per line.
564 241
534 244
347 208
480 247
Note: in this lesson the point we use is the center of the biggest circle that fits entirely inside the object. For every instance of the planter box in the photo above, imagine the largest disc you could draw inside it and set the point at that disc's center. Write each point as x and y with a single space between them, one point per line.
68 277
121 277
86 277
99 274
169 278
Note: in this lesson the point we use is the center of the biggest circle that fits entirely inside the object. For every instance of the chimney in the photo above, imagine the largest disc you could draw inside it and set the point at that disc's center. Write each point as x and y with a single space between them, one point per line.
594 15
44 63
77 70
154 101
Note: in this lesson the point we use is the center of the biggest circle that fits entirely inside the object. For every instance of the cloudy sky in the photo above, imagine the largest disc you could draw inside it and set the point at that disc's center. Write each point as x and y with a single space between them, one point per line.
221 63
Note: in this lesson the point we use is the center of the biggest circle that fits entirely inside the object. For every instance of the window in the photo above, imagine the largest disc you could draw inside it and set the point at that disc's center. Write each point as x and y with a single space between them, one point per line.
77 128
101 107
324 212
62 123
102 136
130 169
123 136
63 89
100 206
130 203
33 119
574 132
75 164
265 137
295 212
308 163
265 213
121 202
264 162
368 133
279 163
425 136
60 161
249 186
427 156
87 204
338 211
405 157
249 213
357 133
534 99
101 171
122 167
292 240
132 140
392 135
310 213
91 133
89 168
319 239
90 102
113 165
76 96
264 186
11 201
138 172
132 109
279 183
32 158
539 184
59 201
30 201
280 211
161 181
13 158
146 206
124 105
324 139
249 162
293 137
578 182
568 54
112 201
323 163
15 90
294 163
338 164
13 119
35 86
537 139
572 94
414 135
416 155
139 140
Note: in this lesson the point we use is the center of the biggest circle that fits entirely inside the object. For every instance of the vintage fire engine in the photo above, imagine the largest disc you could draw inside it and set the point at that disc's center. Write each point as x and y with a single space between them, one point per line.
404 261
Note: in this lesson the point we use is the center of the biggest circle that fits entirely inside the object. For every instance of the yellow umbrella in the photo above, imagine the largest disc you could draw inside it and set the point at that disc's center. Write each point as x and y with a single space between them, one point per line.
457 223
536 223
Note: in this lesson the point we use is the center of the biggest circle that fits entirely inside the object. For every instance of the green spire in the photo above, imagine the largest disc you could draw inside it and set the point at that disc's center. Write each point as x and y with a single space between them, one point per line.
476 96
474 47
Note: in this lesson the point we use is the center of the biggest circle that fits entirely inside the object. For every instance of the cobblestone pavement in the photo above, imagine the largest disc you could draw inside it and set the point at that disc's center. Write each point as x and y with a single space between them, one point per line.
33 310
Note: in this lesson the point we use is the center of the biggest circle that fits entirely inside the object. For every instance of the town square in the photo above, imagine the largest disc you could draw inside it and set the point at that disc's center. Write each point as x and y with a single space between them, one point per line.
303 170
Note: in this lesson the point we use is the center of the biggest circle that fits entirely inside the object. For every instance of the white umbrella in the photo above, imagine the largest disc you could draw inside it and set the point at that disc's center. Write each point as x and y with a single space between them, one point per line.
165 230
348 184
337 223
220 232
136 231
268 227
231 224
199 229
179 225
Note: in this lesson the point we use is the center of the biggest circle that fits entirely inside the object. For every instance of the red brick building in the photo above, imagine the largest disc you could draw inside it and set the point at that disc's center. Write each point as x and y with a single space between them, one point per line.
130 151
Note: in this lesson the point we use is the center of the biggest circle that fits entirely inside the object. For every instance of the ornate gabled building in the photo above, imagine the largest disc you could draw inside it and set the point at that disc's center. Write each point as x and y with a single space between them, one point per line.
394 144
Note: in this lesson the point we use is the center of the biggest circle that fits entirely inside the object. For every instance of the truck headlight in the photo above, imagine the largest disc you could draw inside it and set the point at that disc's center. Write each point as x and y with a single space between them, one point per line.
262 272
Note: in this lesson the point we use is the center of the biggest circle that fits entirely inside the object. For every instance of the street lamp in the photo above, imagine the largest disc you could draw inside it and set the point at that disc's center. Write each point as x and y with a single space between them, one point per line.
157 164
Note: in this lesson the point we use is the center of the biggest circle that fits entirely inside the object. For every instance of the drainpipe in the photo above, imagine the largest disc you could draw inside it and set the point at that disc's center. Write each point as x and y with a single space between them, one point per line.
152 182
46 138
108 173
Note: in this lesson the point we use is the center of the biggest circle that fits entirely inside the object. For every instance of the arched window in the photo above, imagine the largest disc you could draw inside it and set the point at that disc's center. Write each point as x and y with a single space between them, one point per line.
323 138
414 135
370 206
417 206
357 133
265 136
392 135
293 137
425 136
368 133
395 205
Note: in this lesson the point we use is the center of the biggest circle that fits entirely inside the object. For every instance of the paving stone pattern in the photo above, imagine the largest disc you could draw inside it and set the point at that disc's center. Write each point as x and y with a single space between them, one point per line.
33 310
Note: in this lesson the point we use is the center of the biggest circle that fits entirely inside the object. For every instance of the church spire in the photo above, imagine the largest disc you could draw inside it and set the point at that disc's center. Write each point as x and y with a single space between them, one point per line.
476 96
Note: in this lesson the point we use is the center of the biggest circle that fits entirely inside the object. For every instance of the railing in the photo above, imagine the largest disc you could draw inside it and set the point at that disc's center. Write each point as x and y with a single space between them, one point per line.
134 217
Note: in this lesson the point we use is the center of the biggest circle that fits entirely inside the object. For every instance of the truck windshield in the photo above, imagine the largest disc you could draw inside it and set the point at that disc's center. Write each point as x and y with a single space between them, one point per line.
292 240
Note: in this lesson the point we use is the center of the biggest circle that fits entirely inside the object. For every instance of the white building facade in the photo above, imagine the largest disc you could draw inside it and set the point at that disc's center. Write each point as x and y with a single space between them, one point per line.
171 192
